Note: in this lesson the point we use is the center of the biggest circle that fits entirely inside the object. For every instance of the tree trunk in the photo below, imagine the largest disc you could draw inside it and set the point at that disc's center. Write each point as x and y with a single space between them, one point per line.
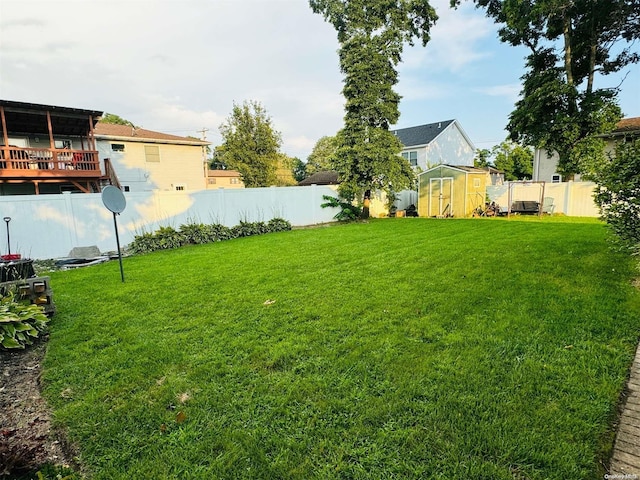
365 204
567 47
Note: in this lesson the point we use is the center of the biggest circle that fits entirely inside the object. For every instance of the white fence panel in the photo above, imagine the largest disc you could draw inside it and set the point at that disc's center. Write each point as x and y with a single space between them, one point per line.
49 226
573 199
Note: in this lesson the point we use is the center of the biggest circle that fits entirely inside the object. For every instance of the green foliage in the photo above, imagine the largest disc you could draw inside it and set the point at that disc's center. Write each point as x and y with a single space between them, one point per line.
348 211
20 323
618 194
115 120
250 145
323 156
278 225
299 169
247 229
569 41
514 160
166 238
482 158
372 34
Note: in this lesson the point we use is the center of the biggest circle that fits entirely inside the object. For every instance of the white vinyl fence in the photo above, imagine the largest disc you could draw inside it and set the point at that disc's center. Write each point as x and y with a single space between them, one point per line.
574 199
49 226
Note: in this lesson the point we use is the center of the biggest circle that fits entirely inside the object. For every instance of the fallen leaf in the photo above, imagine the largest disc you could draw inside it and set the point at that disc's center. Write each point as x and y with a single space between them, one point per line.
269 302
181 417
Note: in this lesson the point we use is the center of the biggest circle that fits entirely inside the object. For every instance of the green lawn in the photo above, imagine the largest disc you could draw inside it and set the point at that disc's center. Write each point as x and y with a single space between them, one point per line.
399 348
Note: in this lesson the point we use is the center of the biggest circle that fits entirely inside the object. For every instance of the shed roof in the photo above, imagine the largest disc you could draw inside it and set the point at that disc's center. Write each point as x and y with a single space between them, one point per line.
462 168
422 134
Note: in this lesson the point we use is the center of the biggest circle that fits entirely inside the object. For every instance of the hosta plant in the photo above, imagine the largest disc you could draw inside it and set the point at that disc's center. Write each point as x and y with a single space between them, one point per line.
20 323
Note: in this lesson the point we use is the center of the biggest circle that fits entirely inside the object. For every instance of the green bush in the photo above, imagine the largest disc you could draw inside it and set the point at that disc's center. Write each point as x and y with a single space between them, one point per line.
348 211
20 323
218 232
198 233
278 225
247 229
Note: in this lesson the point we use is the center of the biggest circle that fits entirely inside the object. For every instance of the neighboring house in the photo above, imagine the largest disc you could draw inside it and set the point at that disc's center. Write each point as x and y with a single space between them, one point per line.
145 160
497 176
47 149
224 179
545 165
426 146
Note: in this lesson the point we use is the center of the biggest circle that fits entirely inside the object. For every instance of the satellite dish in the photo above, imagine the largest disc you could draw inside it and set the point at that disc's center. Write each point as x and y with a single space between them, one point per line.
113 199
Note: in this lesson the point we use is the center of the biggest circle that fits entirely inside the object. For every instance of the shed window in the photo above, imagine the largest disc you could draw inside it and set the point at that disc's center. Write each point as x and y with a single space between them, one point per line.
476 183
152 153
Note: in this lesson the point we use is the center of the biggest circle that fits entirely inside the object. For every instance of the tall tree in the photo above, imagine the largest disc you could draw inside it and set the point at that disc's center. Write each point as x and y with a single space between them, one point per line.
514 160
322 157
569 41
482 158
372 34
250 145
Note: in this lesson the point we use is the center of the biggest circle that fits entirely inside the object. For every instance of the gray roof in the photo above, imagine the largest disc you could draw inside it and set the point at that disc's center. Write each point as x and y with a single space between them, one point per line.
321 178
421 135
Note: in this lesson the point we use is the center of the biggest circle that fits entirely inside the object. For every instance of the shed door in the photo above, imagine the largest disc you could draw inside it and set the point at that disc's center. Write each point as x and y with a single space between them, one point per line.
440 197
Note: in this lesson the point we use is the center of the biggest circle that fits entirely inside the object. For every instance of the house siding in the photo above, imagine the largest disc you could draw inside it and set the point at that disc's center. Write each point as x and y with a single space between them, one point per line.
179 165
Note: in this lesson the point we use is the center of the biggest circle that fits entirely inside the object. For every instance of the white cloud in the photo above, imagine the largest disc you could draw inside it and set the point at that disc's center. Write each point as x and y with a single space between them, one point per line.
510 91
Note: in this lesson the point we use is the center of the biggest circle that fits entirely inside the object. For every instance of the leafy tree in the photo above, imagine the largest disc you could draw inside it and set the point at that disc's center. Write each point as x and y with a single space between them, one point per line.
250 145
569 42
299 169
514 160
372 34
284 171
618 194
322 157
482 157
115 120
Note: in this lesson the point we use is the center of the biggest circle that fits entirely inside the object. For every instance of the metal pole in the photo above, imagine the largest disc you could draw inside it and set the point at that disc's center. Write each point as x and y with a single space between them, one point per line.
115 224
7 220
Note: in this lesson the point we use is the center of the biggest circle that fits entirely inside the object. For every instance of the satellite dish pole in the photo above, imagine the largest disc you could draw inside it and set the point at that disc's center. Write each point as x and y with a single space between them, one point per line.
114 200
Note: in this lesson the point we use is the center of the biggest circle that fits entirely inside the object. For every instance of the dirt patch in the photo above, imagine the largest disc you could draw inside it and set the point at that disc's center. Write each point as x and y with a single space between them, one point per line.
27 440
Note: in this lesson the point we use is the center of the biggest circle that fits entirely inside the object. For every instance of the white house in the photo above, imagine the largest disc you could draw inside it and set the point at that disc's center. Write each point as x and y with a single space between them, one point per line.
145 160
445 142
545 165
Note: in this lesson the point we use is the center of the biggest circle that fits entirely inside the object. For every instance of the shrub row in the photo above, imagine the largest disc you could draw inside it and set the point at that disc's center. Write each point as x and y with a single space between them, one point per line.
197 233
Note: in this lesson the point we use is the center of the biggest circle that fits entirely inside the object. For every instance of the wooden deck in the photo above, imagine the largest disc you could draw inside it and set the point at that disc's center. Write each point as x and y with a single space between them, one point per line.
625 462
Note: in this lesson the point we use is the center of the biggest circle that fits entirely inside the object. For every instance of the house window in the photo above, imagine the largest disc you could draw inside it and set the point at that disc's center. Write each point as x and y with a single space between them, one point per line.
63 144
412 157
235 181
556 178
117 147
152 153
126 188
212 181
179 188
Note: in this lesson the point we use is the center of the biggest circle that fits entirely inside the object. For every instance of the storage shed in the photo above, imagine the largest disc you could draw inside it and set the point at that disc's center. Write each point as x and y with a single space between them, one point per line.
451 191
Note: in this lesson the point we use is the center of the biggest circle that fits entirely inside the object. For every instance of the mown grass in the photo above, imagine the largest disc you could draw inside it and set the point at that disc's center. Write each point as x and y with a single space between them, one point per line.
399 348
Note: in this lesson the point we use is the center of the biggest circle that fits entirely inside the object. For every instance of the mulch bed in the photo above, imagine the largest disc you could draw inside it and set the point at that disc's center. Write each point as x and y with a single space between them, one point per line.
27 440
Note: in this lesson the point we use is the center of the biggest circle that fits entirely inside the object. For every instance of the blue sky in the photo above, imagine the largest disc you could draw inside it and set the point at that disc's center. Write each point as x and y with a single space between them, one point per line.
177 66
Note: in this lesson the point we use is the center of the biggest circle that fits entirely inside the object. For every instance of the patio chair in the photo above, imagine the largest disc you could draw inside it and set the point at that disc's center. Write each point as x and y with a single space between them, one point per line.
547 205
